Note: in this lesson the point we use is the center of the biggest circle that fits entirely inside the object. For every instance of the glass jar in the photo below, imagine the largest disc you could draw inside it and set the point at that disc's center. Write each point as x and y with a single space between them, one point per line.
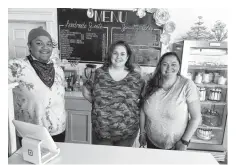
215 94
218 94
202 94
206 78
198 78
212 94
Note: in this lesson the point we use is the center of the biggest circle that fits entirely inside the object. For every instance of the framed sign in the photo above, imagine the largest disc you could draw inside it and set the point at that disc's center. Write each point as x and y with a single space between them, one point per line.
87 39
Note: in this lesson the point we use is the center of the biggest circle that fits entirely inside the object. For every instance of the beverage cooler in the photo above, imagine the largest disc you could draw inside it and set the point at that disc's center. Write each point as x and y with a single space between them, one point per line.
205 63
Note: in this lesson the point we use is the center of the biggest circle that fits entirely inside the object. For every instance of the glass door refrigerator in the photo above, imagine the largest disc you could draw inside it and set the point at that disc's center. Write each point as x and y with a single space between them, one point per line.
205 63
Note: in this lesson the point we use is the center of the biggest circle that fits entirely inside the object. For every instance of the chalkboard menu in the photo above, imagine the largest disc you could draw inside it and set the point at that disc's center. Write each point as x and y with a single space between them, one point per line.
87 39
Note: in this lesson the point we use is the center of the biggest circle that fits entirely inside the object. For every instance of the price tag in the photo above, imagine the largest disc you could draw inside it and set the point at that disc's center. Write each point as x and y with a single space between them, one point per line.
214 44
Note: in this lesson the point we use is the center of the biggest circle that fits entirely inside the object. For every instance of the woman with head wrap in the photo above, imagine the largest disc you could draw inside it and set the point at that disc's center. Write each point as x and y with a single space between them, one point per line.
39 98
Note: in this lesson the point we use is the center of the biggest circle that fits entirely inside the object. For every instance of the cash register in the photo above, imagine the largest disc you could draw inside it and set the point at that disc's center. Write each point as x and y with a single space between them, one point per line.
38 146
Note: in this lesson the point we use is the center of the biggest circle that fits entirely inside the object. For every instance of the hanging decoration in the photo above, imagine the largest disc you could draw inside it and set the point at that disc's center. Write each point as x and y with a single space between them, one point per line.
90 13
151 10
161 17
219 31
141 12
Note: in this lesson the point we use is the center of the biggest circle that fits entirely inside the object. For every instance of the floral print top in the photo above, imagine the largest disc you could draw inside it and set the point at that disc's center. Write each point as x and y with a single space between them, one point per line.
34 102
115 113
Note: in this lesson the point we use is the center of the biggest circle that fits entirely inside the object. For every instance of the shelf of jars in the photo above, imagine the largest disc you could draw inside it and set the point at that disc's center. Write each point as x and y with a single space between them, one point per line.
210 78
211 85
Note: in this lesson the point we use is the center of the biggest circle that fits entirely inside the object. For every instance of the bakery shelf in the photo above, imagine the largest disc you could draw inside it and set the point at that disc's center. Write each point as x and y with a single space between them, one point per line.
207 57
214 102
200 67
211 85
215 140
209 127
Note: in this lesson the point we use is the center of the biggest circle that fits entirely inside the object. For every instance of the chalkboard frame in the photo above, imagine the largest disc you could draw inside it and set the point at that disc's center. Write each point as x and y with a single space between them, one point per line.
82 18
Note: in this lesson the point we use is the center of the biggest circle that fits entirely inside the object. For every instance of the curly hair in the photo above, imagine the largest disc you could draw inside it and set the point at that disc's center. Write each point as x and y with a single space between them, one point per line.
154 83
130 60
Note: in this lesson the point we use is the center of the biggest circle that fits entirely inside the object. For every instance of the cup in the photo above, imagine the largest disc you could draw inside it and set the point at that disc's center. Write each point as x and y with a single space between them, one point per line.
222 80
198 78
211 76
216 77
189 76
206 78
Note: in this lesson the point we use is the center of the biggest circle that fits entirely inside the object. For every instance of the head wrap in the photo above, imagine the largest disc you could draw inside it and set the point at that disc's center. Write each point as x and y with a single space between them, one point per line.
38 32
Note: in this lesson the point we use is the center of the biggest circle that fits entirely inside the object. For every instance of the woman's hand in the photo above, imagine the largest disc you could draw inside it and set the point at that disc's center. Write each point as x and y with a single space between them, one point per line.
142 140
180 146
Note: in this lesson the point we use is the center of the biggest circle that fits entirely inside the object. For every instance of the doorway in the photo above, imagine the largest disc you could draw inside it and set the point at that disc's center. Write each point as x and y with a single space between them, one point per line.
18 37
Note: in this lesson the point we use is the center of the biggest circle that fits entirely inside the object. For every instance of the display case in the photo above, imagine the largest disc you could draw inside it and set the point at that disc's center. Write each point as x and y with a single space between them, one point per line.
205 63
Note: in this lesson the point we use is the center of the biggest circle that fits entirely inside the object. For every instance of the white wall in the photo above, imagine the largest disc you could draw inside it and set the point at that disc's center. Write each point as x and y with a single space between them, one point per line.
47 15
186 17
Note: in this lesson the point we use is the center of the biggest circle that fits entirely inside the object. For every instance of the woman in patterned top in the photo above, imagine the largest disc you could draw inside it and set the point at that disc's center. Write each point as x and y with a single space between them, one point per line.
115 93
168 100
39 98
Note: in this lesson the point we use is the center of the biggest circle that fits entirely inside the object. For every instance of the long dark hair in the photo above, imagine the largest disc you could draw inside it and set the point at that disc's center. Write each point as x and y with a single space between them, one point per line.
130 60
154 83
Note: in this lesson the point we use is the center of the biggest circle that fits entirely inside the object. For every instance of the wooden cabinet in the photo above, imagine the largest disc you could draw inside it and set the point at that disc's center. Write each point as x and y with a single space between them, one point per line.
78 129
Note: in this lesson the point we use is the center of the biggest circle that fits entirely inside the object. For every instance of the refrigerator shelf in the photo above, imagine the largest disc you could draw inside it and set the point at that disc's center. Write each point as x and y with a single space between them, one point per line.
214 102
200 67
209 127
211 85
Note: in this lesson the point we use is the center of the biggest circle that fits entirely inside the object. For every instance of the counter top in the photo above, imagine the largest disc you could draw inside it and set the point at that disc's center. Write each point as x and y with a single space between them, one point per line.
84 153
12 85
74 94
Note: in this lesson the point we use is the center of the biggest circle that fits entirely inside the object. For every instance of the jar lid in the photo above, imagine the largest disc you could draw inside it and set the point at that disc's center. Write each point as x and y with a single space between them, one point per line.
91 65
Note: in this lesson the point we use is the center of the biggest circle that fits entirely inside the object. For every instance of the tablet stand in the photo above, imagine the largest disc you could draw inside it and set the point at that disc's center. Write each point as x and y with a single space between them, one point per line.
34 153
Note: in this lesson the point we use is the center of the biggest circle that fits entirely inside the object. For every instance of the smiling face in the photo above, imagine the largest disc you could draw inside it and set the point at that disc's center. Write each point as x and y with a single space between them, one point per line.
169 66
41 48
119 56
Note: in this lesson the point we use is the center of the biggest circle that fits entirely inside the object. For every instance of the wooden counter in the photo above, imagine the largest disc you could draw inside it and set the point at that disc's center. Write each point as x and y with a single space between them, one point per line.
78 128
74 95
89 154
